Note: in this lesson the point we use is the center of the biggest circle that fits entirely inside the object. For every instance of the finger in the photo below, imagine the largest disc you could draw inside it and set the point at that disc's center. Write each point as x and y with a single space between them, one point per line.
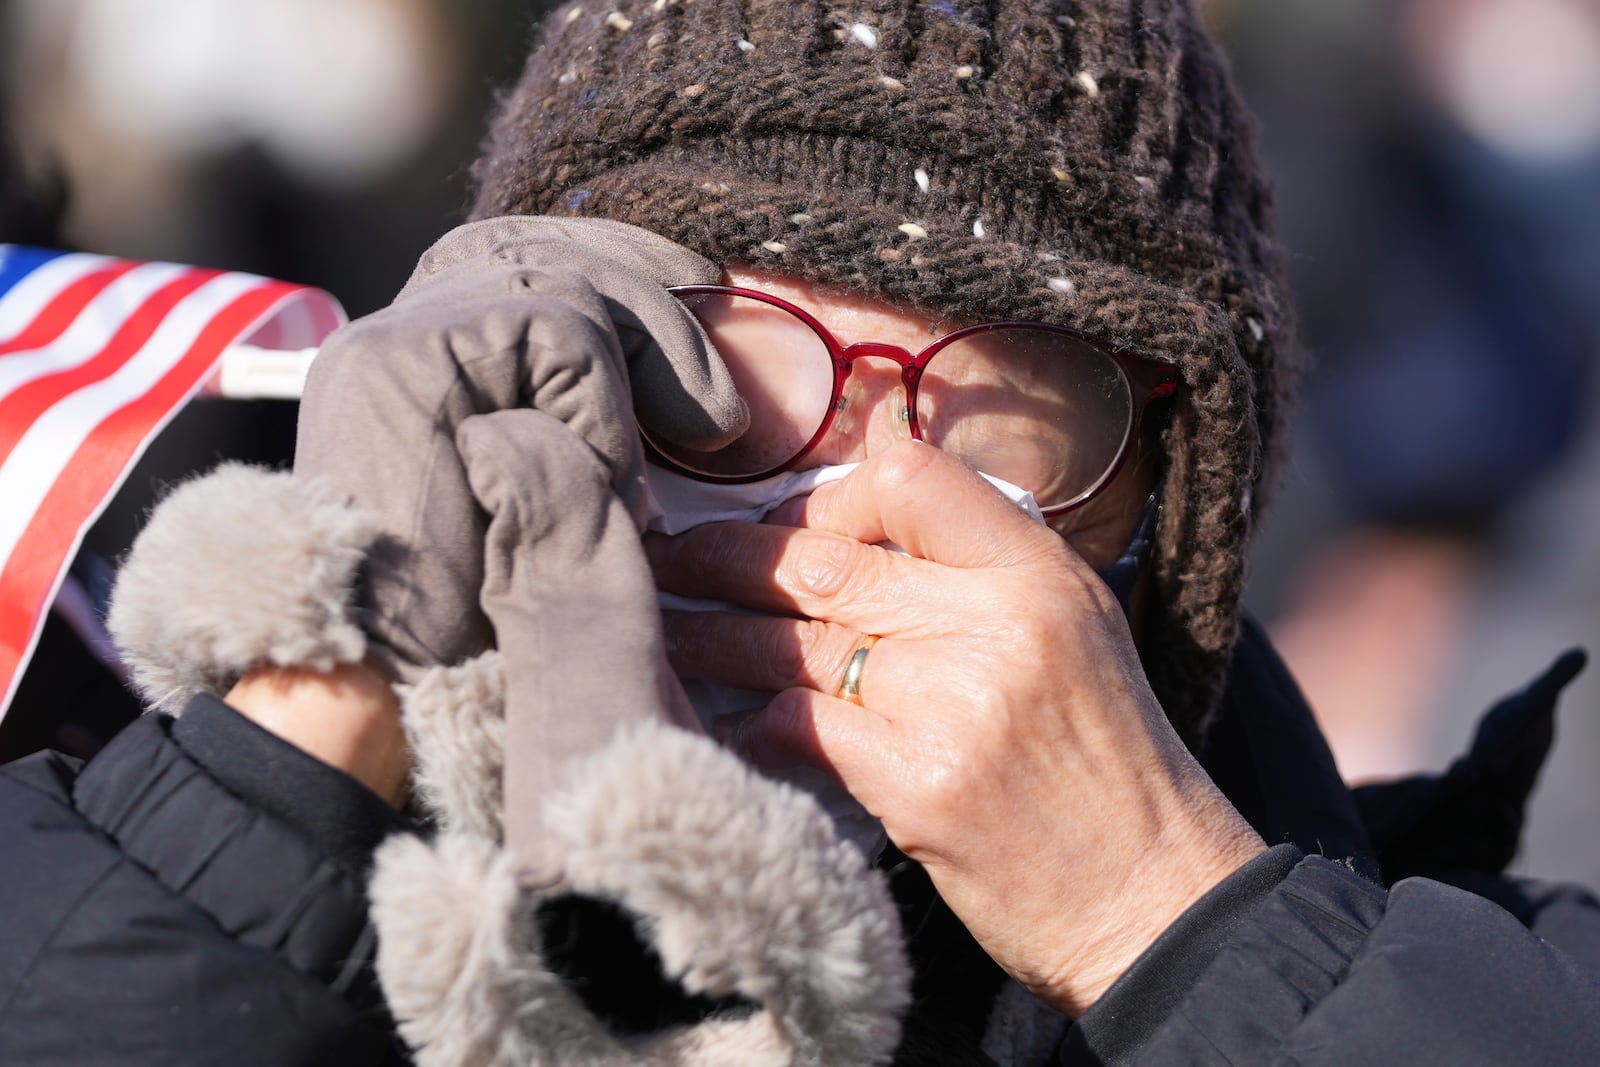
680 386
744 737
681 389
854 745
491 340
786 571
768 654
932 506
760 652
572 603
573 369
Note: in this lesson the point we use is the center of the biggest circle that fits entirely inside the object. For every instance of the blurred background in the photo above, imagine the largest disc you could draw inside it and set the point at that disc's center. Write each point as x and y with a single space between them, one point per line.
1433 540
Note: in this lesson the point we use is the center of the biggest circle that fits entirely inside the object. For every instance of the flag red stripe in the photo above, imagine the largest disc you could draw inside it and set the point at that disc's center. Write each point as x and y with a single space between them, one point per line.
92 473
54 318
23 407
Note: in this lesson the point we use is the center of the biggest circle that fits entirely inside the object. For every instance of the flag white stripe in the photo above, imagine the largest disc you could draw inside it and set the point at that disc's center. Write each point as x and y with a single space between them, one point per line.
90 331
306 317
49 444
22 304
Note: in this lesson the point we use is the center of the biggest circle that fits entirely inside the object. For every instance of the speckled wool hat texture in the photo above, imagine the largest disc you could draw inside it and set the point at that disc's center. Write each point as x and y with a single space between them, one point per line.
1082 162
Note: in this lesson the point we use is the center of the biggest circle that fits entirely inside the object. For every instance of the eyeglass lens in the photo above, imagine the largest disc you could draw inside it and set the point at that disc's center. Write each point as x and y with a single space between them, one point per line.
783 372
1038 408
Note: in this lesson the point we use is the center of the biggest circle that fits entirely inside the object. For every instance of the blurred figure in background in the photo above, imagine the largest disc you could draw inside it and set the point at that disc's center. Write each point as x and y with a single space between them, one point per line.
314 142
1439 180
323 142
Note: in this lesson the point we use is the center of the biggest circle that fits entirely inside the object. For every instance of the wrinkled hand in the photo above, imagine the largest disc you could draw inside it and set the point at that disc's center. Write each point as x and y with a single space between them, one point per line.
1008 738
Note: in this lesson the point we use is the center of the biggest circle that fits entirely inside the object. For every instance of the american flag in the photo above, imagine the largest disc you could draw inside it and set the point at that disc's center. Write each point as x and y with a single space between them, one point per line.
96 355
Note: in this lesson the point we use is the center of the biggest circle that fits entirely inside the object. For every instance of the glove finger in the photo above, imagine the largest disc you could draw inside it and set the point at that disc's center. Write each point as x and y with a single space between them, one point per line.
510 238
573 606
379 418
1514 737
682 391
574 371
1556 677
377 421
676 397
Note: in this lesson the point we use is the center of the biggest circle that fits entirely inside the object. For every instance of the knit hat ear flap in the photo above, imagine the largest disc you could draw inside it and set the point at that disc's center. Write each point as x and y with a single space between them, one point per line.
1083 162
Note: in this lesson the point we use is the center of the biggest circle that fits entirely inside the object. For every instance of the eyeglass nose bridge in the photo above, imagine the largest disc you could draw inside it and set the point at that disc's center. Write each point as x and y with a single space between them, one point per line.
877 350
910 364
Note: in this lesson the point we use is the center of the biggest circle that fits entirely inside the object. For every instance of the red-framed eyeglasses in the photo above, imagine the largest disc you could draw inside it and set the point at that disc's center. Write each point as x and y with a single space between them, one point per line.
1044 407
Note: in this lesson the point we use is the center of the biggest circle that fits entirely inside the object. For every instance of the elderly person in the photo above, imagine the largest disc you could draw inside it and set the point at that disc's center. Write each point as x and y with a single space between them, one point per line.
871 277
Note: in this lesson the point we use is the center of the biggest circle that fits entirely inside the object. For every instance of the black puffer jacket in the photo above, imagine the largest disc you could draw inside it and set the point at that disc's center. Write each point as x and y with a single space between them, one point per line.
195 895
1298 958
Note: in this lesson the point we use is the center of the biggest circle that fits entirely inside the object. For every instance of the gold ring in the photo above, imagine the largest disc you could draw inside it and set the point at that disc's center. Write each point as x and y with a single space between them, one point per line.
850 688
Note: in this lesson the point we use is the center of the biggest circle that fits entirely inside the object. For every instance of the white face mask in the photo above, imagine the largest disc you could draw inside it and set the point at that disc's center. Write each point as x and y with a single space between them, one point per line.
678 503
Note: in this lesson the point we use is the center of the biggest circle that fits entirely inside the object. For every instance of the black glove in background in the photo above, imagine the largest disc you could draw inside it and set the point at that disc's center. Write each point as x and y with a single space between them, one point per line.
1468 820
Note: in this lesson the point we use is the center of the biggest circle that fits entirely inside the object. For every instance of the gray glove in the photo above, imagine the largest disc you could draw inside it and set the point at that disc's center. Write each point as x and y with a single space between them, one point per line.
558 315
485 419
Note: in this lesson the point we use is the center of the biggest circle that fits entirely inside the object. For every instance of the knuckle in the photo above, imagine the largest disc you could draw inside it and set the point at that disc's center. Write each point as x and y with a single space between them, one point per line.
1035 631
835 649
814 651
903 463
566 336
717 549
803 652
987 708
786 708
786 717
690 641
830 567
1083 595
787 650
948 783
1042 549
1014 627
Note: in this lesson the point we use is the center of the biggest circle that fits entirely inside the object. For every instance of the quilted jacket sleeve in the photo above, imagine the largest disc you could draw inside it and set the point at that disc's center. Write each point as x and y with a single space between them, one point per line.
193 894
1298 960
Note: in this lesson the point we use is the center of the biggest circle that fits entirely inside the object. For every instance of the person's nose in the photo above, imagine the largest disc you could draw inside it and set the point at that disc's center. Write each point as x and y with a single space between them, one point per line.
872 414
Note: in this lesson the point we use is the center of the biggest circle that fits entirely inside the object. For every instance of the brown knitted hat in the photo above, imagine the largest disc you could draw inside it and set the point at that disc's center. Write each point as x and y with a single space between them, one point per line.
1083 162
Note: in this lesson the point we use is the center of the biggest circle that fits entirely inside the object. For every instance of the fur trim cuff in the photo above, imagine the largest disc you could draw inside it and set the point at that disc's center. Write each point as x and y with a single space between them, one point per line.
455 723
238 569
739 883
